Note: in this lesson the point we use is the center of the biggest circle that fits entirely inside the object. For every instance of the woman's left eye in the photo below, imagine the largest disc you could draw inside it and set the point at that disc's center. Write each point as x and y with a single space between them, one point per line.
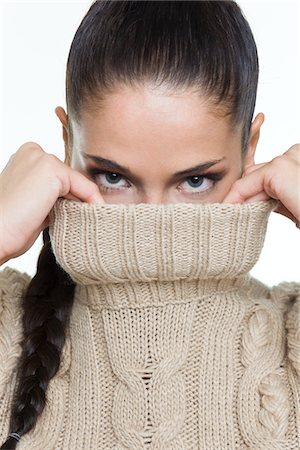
205 182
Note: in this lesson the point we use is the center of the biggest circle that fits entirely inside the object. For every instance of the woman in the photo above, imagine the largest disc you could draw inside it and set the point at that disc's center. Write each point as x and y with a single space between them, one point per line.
142 327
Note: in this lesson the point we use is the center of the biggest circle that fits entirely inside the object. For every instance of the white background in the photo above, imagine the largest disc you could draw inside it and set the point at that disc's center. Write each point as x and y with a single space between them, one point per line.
35 41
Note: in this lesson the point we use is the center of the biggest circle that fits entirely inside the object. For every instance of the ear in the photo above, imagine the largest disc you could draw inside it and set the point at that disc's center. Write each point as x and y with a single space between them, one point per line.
253 141
63 117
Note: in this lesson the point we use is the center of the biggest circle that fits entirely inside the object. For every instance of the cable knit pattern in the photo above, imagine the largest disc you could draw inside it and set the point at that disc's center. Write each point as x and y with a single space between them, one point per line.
12 286
171 344
150 381
286 296
262 353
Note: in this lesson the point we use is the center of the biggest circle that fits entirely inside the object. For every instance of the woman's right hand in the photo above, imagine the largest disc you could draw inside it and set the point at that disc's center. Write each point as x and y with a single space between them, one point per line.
30 184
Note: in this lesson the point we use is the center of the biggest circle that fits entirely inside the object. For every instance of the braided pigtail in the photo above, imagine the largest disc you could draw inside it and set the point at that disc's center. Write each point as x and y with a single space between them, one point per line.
46 306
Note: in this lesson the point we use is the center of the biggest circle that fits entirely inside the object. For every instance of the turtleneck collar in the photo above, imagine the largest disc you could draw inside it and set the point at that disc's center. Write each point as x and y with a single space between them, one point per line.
113 244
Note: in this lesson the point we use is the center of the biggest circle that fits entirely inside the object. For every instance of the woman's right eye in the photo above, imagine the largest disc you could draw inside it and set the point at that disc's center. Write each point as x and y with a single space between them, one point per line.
106 179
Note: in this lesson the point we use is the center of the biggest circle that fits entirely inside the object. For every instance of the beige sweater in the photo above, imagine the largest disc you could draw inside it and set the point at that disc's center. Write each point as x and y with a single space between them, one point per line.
172 345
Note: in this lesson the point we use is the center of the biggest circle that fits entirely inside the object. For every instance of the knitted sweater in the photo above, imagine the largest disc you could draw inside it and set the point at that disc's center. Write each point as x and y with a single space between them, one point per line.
171 344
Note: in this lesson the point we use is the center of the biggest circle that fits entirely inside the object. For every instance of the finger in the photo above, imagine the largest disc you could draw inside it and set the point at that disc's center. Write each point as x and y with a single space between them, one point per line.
258 197
72 197
250 186
281 209
294 153
82 188
252 168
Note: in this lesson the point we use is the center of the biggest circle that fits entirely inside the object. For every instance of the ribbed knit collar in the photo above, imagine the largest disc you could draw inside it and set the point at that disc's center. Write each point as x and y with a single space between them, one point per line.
118 243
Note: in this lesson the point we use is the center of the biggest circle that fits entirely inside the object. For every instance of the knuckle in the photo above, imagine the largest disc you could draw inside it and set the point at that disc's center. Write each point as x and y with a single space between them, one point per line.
293 151
12 157
29 151
277 161
52 163
30 146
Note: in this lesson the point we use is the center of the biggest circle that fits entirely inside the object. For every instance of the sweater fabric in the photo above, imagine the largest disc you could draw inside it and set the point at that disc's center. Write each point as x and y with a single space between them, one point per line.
172 344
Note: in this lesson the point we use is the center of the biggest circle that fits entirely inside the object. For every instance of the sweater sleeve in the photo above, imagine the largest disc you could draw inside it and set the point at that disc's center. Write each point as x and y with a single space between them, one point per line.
13 284
286 295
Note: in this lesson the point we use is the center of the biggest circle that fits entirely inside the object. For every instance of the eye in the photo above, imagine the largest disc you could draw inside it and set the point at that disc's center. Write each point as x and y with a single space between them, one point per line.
106 180
203 182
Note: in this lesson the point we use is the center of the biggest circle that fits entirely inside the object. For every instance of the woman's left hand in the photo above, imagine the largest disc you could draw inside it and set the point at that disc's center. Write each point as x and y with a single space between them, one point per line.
278 179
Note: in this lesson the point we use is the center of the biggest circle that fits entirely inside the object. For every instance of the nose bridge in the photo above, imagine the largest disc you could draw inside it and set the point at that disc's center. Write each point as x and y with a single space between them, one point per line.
153 196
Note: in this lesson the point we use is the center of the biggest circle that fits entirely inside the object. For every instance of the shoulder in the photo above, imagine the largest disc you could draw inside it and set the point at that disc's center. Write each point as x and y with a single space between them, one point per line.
286 296
13 285
13 282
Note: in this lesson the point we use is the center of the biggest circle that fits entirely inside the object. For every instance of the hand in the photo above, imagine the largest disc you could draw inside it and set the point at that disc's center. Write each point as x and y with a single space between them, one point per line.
278 179
30 184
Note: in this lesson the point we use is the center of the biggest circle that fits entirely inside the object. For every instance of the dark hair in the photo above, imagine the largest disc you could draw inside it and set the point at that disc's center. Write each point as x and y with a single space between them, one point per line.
206 46
201 46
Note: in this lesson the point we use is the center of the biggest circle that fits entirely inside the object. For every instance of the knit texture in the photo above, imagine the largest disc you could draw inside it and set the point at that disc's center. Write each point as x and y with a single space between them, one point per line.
171 345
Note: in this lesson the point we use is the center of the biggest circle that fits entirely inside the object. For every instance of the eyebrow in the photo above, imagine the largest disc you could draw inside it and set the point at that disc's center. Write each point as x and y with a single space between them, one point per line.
113 165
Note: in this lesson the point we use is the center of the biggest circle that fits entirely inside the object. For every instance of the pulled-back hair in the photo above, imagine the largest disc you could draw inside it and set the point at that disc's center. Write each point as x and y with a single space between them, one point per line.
204 46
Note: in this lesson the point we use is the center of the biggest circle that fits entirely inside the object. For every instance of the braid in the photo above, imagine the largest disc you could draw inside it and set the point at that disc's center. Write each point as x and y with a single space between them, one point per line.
46 306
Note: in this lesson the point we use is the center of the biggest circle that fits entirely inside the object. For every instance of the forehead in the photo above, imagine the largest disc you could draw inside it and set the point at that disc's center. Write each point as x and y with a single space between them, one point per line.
152 120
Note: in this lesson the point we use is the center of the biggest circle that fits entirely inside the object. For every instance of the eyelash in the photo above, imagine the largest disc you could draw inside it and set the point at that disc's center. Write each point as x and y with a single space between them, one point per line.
215 177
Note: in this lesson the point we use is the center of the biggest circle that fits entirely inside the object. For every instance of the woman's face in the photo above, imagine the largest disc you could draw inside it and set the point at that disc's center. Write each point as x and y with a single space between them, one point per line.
144 146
